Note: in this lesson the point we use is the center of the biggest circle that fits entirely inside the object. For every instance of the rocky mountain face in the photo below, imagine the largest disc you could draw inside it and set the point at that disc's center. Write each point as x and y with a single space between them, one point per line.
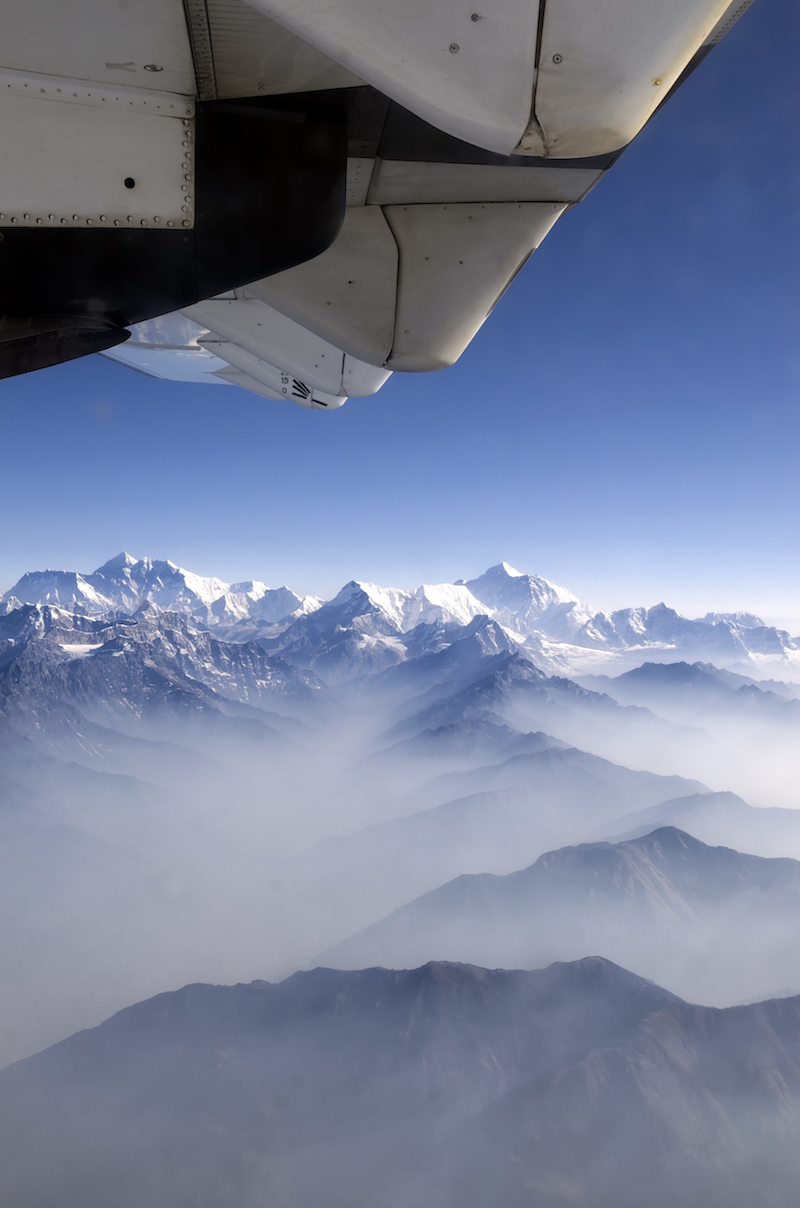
661 626
134 751
443 1086
366 629
509 678
509 688
710 922
138 664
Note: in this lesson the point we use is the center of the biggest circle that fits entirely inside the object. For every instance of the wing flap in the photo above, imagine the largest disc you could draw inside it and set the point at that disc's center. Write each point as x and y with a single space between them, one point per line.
271 337
346 295
455 263
399 182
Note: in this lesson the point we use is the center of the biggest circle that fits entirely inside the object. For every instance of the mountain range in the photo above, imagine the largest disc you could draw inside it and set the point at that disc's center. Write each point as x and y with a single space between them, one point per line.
367 627
447 1086
486 819
124 583
138 663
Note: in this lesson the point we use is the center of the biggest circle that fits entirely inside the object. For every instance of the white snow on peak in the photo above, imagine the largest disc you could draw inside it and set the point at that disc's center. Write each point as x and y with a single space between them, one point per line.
537 605
119 563
747 620
58 588
557 628
391 601
448 602
252 588
406 608
126 583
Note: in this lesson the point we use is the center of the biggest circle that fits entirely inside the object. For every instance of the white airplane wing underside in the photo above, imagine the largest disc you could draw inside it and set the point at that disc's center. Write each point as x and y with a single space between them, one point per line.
469 130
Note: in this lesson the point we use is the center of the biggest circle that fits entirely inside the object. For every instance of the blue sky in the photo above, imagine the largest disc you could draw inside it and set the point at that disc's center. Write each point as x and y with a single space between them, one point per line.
626 423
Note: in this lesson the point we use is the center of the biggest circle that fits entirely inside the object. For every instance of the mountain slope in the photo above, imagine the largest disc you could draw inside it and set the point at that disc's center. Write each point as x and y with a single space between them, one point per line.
713 922
490 819
439 1087
366 629
513 679
124 665
716 818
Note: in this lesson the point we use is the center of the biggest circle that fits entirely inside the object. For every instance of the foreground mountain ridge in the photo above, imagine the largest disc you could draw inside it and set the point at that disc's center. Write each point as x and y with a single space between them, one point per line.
443 1086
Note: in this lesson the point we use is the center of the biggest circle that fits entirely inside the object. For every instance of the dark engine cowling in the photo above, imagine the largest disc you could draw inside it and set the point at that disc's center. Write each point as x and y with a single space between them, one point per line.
269 186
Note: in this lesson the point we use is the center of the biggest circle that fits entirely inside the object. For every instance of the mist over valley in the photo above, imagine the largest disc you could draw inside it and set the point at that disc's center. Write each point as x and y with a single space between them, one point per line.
210 783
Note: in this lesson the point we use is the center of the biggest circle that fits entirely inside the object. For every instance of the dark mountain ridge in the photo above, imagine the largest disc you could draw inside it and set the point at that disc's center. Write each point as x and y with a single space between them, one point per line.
438 1087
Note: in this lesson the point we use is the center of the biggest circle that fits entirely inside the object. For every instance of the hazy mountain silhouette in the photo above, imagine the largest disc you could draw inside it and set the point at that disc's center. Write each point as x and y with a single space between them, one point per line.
691 690
715 818
517 810
715 924
447 1086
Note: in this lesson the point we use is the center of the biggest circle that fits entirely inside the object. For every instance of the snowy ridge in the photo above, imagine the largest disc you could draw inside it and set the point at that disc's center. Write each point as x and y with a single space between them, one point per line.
367 627
746 619
125 583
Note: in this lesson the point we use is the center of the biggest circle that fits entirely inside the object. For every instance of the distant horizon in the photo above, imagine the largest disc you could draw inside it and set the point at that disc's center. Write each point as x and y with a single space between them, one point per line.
789 622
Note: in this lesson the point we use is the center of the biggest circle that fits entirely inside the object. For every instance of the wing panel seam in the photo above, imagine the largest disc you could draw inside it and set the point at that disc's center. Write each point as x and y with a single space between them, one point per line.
199 29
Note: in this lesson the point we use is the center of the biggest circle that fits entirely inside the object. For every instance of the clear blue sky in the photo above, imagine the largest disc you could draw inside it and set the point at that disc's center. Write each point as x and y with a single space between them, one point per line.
626 423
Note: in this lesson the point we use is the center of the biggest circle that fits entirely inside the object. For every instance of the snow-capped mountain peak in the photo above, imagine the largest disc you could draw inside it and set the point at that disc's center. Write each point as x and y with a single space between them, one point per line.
538 605
124 583
747 620
502 585
404 608
562 633
120 563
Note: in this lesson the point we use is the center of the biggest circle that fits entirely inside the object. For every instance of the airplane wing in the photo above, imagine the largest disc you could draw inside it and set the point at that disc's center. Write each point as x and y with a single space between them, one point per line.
300 197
